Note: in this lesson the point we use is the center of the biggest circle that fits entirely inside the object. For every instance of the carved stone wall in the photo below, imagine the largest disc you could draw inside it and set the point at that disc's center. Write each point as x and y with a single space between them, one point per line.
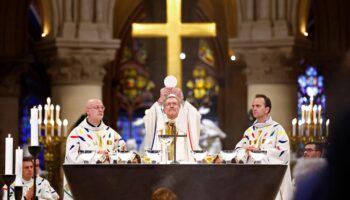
269 66
73 61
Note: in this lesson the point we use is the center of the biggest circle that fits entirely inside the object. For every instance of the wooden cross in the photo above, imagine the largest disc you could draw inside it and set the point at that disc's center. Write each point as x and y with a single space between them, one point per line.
173 30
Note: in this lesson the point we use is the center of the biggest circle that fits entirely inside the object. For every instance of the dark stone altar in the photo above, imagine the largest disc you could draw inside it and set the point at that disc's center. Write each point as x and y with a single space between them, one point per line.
187 181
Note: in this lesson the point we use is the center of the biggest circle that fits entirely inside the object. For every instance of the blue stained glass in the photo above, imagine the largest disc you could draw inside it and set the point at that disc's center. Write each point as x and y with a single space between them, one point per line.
312 91
310 84
311 71
320 81
302 81
133 129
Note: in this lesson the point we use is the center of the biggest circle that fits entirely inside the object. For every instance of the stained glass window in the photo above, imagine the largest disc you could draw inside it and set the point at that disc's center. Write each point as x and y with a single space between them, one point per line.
134 94
311 90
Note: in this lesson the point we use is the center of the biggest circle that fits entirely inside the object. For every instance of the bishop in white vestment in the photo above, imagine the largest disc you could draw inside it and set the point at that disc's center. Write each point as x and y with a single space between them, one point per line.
171 108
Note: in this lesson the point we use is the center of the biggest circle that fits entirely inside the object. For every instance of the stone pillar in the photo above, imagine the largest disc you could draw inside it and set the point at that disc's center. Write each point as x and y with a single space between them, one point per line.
9 105
270 71
270 50
77 72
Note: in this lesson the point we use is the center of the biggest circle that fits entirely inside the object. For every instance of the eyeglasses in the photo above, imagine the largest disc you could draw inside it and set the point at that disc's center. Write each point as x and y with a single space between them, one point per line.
98 107
309 150
171 104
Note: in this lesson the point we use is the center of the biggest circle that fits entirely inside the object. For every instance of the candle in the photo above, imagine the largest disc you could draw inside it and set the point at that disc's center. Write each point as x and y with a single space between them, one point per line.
57 112
52 122
300 125
59 124
314 112
311 101
45 124
40 108
19 159
39 127
308 127
315 127
319 112
8 154
65 123
306 113
34 127
294 123
46 108
51 111
48 100
321 121
327 127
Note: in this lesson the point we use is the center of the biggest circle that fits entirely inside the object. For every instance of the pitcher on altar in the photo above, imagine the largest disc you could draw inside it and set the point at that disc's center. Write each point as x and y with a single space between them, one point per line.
172 112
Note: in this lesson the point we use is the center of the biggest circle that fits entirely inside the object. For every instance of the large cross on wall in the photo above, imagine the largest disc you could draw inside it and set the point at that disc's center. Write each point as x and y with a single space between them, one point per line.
173 30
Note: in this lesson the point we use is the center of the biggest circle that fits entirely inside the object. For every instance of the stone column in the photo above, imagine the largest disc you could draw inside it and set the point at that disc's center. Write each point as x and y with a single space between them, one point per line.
270 50
268 72
9 103
77 72
271 70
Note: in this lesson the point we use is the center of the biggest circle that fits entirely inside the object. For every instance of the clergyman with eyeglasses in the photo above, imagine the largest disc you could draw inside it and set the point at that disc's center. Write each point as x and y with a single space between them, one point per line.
91 141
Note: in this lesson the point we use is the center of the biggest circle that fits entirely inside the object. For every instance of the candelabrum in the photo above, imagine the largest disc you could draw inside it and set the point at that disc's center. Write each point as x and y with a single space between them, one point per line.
310 127
53 140
308 133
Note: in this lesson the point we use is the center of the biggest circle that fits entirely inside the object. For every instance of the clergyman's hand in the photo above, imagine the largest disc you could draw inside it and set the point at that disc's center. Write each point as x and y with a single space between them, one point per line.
105 155
251 148
30 193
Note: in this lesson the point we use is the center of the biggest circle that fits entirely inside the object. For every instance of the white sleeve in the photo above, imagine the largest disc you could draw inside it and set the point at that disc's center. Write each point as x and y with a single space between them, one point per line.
278 152
72 148
48 192
150 124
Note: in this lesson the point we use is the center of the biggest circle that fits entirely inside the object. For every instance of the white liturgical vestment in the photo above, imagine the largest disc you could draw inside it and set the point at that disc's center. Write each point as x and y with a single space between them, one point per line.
44 191
187 123
86 137
269 136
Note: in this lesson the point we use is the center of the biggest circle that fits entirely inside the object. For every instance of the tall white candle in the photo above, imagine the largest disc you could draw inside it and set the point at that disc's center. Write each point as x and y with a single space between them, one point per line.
311 102
39 128
321 122
327 127
45 124
52 122
308 127
51 111
48 100
34 127
8 154
59 125
309 111
40 110
314 112
19 159
300 125
65 124
57 112
294 123
319 112
315 127
46 108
